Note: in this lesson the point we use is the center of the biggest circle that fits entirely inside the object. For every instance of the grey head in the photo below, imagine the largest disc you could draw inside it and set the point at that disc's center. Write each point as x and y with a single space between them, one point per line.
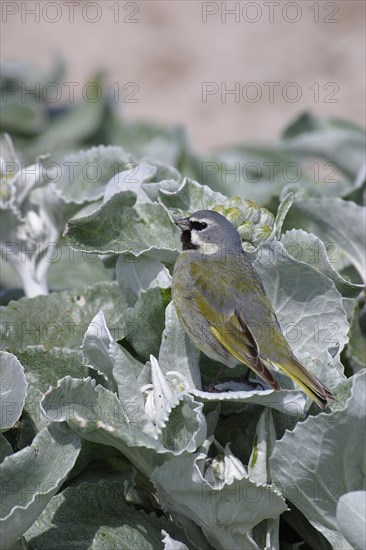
208 232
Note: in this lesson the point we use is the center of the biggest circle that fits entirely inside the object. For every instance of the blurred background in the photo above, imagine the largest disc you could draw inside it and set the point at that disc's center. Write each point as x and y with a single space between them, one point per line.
256 100
228 72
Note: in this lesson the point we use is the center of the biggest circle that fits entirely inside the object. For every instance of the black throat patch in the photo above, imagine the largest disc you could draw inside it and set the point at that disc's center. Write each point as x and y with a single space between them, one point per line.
186 241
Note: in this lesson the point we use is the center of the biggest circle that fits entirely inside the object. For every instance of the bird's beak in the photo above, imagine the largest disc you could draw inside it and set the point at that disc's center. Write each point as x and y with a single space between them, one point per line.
182 224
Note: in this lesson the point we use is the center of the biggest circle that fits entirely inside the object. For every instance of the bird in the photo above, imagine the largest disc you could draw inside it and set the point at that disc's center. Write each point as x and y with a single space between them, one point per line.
223 307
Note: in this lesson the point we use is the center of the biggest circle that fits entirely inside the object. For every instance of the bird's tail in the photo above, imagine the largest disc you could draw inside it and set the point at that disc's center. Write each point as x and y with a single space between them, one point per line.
313 387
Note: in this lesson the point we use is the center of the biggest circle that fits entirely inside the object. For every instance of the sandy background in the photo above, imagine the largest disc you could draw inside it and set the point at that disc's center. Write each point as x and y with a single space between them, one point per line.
168 52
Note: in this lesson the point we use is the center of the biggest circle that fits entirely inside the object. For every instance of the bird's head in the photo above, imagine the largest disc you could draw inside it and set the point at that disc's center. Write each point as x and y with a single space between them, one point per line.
208 232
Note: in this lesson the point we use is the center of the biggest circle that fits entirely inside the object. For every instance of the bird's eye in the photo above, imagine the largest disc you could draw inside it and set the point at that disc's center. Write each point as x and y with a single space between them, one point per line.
198 225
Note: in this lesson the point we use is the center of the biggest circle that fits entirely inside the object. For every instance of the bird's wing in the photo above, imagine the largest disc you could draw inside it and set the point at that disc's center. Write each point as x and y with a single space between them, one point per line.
240 342
234 335
237 290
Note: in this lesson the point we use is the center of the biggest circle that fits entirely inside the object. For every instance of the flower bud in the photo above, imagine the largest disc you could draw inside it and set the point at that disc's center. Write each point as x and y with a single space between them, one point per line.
246 230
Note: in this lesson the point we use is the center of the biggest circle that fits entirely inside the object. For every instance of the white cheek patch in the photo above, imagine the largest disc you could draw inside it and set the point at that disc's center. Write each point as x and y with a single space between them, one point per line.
205 248
209 248
195 238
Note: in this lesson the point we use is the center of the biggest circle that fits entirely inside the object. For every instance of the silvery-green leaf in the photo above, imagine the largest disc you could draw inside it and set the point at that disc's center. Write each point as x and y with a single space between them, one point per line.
120 225
263 445
164 172
166 177
360 180
351 518
191 196
29 73
43 215
266 534
138 274
338 222
171 544
26 229
330 370
62 318
129 393
224 468
251 172
324 181
5 448
307 304
32 476
307 123
186 429
225 510
303 189
152 189
96 461
163 395
356 349
83 402
130 179
24 183
9 222
178 419
291 402
144 378
144 323
145 139
13 390
96 515
97 415
212 414
100 462
9 166
307 248
95 347
33 419
357 193
327 138
72 269
322 459
27 118
8 153
177 351
44 366
78 123
282 210
237 427
85 174
193 531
